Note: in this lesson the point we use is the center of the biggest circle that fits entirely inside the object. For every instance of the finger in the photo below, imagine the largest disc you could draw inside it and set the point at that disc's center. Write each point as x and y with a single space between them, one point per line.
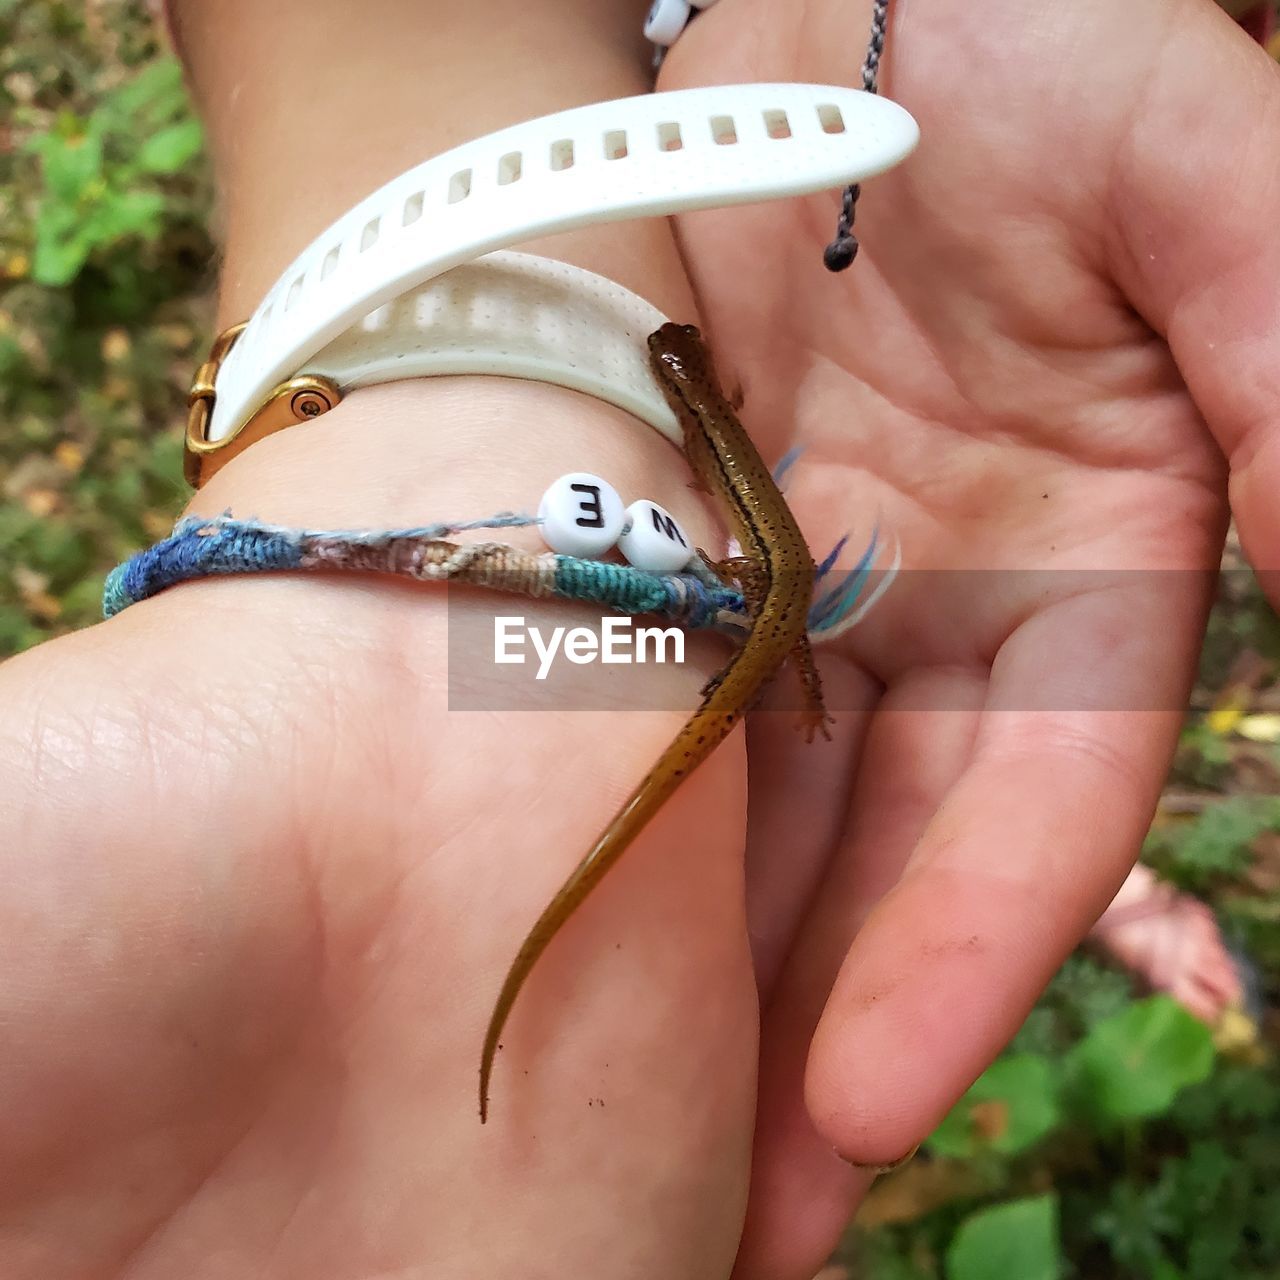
1195 203
1027 849
789 779
802 1193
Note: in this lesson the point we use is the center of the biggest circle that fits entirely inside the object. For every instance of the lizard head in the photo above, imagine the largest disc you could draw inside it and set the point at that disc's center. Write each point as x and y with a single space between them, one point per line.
677 350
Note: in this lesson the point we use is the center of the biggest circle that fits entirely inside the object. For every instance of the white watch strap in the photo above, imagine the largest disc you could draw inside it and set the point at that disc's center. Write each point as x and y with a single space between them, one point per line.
656 154
516 315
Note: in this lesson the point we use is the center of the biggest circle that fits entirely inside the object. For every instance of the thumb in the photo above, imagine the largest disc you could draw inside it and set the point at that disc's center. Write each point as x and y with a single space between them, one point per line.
1196 227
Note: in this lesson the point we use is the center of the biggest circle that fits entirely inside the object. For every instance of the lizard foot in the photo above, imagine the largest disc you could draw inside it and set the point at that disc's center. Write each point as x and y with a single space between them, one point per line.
814 720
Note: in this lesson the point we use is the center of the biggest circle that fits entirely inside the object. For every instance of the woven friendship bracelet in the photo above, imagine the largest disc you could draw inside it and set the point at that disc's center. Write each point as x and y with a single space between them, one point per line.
694 598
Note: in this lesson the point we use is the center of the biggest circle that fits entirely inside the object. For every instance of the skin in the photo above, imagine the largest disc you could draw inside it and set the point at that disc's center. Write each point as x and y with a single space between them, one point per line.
1057 351
241 992
780 571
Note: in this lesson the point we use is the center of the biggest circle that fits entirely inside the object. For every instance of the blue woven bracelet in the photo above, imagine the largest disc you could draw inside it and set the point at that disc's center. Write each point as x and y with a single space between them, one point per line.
695 598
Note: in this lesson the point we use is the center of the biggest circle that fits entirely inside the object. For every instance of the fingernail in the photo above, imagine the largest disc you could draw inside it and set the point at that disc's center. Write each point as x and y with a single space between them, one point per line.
878 1169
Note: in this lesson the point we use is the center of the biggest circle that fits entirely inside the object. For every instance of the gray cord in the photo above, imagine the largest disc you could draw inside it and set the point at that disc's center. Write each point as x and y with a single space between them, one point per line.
841 252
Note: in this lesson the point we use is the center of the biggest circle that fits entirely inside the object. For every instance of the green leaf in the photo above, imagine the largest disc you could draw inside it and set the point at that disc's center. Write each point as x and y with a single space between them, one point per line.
1014 1241
62 246
1012 1105
1135 1063
65 239
156 92
69 166
125 213
171 148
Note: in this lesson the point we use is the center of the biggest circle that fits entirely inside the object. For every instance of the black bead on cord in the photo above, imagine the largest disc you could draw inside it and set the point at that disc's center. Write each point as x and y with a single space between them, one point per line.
841 252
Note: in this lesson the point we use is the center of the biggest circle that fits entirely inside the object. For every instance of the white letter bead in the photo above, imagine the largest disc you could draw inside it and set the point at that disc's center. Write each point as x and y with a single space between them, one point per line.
652 539
581 515
666 20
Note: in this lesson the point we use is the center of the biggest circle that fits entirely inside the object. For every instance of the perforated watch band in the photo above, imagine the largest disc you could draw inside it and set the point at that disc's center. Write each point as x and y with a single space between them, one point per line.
650 155
518 316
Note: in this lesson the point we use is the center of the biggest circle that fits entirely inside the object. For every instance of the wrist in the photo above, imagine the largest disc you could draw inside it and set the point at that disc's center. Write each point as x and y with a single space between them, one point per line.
415 452
410 81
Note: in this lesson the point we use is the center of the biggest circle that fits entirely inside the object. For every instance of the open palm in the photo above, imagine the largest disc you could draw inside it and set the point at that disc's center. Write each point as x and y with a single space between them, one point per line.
1055 331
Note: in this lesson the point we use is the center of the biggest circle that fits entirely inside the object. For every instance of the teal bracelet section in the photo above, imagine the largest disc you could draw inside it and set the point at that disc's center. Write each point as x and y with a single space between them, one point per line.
222 545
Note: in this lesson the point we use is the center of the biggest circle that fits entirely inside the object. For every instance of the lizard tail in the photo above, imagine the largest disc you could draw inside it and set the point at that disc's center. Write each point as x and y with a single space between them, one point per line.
704 731
586 875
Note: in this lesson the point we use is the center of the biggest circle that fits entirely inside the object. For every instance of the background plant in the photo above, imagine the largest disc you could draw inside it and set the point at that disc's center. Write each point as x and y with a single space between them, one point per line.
104 266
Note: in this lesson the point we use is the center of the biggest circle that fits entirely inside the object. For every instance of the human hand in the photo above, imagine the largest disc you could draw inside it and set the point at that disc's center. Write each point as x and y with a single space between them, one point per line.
1062 321
259 885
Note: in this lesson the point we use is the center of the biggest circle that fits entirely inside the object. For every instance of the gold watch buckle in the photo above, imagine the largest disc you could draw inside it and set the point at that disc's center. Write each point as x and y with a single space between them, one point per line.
301 399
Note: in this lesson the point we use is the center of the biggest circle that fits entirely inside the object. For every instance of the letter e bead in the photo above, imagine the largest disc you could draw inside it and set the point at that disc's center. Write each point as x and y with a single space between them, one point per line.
581 515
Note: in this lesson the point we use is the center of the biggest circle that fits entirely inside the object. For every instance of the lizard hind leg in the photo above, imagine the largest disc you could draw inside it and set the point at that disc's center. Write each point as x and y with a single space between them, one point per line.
814 717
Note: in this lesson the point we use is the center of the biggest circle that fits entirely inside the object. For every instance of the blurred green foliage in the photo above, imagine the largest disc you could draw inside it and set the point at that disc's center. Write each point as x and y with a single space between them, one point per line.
1127 1149
100 174
1018 1238
105 265
1110 1142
